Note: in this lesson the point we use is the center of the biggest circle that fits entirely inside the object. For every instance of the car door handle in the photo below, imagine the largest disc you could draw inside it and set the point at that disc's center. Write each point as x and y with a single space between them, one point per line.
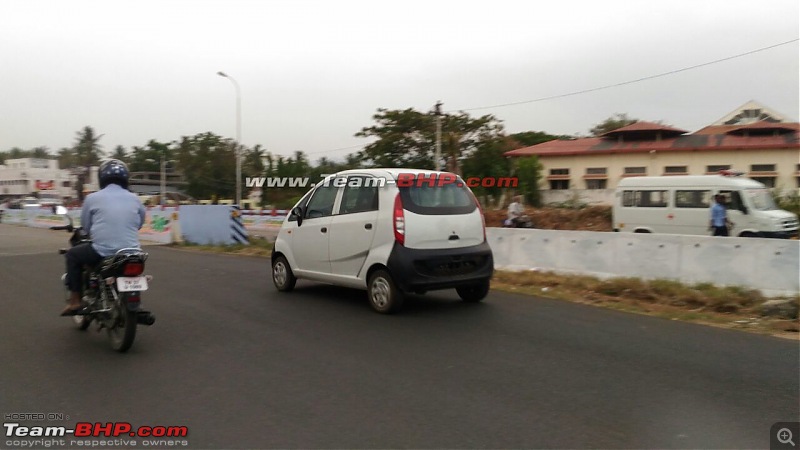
324 229
368 226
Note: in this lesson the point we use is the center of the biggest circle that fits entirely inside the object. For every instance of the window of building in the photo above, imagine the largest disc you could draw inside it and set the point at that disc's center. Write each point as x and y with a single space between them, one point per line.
596 184
559 184
693 199
762 168
632 171
716 169
676 170
559 171
766 181
599 171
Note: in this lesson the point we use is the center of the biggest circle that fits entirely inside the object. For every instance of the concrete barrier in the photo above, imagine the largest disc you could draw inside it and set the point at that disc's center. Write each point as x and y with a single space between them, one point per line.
769 265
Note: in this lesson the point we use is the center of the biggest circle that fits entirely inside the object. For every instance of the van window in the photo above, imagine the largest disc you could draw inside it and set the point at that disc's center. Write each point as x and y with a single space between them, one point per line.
321 203
692 199
645 199
359 196
652 199
733 200
628 198
438 200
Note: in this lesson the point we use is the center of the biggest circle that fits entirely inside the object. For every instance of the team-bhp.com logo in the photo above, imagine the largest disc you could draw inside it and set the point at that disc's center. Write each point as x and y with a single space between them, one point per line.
404 180
88 429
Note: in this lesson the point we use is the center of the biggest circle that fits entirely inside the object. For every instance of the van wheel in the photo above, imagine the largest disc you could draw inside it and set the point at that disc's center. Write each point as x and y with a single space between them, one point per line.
384 297
473 292
282 274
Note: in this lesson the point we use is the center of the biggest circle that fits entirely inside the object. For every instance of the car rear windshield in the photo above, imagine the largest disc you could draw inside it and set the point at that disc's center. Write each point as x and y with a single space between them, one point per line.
438 200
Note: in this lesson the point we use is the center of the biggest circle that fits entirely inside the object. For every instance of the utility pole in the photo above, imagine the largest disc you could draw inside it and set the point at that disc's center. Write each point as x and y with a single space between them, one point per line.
438 155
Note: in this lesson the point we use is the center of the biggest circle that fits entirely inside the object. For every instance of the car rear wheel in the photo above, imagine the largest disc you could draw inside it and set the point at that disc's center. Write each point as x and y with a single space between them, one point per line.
384 297
282 274
474 292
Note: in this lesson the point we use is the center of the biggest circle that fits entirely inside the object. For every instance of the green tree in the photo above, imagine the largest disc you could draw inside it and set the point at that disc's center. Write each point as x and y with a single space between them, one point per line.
529 138
209 165
121 154
407 138
488 161
86 153
612 123
528 171
148 158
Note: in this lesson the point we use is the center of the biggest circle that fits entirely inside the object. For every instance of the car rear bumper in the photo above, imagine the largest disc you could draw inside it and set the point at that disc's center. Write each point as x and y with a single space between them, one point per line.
426 270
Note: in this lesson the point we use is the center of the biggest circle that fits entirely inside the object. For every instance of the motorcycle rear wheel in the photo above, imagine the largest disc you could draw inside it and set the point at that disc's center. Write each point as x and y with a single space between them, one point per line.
122 333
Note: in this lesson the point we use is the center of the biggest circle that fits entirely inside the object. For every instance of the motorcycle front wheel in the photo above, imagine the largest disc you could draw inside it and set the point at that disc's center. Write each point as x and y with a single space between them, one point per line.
123 330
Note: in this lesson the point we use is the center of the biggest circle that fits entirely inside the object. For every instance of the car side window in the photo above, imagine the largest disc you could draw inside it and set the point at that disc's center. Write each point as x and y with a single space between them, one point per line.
321 202
360 195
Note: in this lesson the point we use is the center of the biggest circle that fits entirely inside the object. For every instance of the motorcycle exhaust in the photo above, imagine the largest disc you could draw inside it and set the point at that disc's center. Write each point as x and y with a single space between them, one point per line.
145 318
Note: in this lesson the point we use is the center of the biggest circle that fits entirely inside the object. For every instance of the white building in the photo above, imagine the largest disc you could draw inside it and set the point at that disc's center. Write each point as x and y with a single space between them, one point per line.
27 176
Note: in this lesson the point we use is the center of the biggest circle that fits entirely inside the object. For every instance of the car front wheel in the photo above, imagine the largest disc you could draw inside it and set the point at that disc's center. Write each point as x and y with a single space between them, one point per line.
282 274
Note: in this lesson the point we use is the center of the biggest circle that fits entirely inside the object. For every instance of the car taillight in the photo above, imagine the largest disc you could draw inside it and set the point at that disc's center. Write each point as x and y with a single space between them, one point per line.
133 269
399 221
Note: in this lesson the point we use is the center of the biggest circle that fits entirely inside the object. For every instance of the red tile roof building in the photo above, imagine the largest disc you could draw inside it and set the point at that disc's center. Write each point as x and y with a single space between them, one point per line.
752 139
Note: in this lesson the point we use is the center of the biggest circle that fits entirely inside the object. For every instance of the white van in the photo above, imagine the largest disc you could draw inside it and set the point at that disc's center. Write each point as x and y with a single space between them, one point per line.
389 231
682 205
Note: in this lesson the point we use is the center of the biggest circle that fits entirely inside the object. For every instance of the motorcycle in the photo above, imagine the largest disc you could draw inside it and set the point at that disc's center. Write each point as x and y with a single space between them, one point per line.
112 290
523 221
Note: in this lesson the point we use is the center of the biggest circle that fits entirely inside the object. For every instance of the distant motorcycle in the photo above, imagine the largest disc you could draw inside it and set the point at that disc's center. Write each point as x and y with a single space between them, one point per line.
112 290
522 221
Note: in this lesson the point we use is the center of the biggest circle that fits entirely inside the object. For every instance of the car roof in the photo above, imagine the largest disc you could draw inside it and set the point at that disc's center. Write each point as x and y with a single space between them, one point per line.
392 172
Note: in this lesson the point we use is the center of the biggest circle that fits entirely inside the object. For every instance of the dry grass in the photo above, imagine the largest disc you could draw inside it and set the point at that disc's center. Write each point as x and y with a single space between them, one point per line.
706 303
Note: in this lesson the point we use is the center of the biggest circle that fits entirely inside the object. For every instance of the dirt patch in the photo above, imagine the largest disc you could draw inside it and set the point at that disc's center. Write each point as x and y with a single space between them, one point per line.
590 218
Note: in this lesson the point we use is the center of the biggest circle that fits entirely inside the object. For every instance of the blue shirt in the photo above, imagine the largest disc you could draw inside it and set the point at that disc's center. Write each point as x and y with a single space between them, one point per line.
112 217
718 215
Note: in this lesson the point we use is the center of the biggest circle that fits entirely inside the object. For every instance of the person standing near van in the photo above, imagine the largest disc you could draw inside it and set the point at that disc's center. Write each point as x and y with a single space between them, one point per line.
719 217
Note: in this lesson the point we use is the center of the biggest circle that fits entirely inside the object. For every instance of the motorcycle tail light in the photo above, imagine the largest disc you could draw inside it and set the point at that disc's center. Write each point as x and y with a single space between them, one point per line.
133 269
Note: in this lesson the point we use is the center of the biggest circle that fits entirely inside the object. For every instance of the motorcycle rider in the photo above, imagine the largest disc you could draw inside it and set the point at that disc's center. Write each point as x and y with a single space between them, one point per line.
515 212
112 218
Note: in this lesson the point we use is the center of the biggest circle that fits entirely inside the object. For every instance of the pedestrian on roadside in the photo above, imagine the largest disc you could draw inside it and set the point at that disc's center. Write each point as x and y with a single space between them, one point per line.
719 222
514 212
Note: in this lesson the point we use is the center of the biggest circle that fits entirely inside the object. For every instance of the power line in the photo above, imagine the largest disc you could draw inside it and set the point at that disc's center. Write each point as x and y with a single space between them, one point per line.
586 91
672 72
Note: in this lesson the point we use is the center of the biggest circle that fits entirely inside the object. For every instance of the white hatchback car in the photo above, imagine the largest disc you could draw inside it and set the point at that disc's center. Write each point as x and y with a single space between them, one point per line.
389 231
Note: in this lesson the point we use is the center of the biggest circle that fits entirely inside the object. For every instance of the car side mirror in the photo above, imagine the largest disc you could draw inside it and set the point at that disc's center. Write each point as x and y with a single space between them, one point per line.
59 210
743 209
298 212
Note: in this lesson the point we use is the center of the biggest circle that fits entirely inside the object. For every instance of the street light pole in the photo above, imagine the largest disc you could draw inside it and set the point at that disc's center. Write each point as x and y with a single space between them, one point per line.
238 137
163 180
438 154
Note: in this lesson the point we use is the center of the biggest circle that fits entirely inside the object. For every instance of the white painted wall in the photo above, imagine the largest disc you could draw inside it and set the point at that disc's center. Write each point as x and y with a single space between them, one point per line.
769 265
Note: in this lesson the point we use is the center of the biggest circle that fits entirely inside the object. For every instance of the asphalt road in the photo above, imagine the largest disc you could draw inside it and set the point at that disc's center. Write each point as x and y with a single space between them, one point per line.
243 366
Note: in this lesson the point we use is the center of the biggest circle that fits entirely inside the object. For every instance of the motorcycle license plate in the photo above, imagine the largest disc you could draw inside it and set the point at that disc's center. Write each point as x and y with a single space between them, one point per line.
131 284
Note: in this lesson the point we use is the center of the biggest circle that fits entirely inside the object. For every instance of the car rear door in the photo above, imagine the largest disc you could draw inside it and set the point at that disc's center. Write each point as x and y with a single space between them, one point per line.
352 230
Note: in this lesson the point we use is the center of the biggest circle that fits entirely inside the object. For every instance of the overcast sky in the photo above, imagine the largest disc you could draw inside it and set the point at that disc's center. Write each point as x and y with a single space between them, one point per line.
312 73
